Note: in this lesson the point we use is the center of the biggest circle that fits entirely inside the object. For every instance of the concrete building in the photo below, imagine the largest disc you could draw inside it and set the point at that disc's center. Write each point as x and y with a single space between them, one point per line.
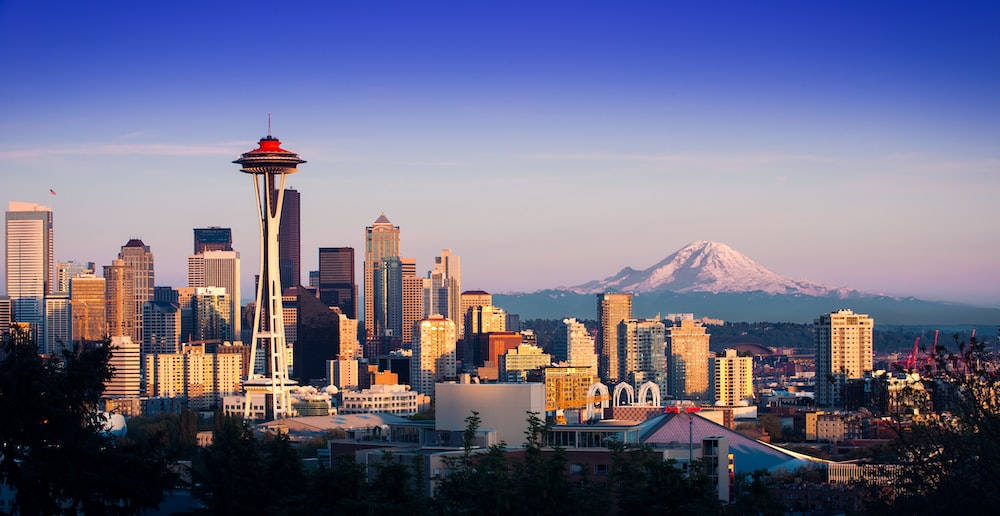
212 238
126 366
381 242
413 297
687 360
843 351
515 363
484 319
472 298
567 387
732 377
211 312
290 239
58 324
118 296
381 399
219 269
443 289
641 352
30 263
4 316
201 378
575 346
138 258
611 310
161 327
342 373
87 309
433 353
336 283
502 407
65 271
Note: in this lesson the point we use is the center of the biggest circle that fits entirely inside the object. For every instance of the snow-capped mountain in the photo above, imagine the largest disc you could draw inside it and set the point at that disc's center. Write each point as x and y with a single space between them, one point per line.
704 266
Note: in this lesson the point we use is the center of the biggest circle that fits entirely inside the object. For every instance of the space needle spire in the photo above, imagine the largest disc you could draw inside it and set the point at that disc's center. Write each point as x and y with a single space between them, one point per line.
269 165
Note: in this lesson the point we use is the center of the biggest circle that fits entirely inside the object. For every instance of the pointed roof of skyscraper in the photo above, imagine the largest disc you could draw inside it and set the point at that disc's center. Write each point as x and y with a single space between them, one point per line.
134 242
382 219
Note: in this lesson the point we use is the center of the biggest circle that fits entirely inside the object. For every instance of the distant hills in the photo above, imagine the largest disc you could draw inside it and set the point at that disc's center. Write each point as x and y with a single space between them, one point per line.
712 279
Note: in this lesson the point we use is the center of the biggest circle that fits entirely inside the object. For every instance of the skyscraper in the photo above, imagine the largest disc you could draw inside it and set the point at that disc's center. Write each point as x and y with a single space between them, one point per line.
641 352
212 238
433 353
126 364
290 240
87 309
137 257
443 289
219 269
30 263
732 377
843 351
212 309
381 242
611 310
413 297
161 328
4 316
66 271
336 279
471 298
574 346
58 336
687 360
118 288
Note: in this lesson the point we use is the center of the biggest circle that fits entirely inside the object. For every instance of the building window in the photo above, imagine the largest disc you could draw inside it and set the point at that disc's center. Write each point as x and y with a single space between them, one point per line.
601 469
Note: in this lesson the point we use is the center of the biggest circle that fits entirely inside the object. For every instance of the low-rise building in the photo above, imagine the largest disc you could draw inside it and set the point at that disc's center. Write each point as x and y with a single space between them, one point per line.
381 399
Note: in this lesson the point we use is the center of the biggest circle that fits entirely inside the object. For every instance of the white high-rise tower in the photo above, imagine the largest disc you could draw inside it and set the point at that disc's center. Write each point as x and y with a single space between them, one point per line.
269 164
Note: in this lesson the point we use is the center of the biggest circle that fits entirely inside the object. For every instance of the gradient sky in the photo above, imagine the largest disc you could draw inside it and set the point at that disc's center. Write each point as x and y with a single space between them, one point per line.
855 144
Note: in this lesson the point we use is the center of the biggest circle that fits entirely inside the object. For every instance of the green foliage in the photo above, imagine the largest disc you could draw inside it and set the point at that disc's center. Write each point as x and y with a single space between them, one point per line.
754 496
176 433
53 450
647 484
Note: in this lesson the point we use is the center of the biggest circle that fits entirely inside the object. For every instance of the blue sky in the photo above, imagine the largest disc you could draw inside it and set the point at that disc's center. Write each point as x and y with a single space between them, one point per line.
546 143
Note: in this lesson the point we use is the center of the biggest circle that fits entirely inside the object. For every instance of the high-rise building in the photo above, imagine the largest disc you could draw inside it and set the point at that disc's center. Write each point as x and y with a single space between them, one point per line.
611 310
493 345
161 327
126 363
58 334
211 312
118 288
515 363
388 294
732 377
212 238
4 316
484 319
443 289
575 346
30 263
66 271
433 353
219 269
641 352
87 309
185 300
342 372
139 259
336 279
290 240
199 377
413 297
687 360
472 298
381 242
843 351
318 337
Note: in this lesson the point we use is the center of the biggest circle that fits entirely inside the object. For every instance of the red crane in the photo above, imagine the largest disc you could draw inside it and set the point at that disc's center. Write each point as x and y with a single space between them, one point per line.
911 362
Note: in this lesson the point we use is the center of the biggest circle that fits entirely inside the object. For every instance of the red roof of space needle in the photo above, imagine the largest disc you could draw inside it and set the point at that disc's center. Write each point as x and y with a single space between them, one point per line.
269 158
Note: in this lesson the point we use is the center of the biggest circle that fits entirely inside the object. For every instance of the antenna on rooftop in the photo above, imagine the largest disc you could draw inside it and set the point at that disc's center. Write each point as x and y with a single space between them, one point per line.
269 125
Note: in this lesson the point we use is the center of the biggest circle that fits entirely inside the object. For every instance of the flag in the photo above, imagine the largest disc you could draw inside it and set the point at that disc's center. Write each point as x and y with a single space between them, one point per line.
51 191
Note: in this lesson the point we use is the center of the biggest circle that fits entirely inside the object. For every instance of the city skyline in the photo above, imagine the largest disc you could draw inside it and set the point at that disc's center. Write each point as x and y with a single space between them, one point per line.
774 132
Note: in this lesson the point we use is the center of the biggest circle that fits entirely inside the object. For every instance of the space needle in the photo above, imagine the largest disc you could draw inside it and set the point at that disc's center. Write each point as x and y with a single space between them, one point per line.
269 165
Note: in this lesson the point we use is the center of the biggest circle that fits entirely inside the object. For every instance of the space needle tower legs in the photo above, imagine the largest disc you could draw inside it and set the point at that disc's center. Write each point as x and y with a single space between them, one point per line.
269 165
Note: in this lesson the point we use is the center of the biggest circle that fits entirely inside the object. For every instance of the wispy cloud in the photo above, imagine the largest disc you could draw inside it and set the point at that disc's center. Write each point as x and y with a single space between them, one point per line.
125 149
686 158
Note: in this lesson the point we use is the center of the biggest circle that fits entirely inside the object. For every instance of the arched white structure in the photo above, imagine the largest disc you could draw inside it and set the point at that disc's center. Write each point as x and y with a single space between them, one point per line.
628 390
644 391
596 394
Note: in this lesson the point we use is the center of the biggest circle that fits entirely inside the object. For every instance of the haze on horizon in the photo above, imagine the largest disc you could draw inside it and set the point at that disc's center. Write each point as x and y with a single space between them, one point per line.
850 144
